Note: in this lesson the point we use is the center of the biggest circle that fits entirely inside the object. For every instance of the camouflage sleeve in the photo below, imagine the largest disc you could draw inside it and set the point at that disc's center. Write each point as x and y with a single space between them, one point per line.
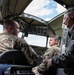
48 54
29 53
51 52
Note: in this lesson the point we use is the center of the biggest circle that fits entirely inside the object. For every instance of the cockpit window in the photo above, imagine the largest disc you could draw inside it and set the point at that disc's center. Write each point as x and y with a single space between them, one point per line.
36 40
1 28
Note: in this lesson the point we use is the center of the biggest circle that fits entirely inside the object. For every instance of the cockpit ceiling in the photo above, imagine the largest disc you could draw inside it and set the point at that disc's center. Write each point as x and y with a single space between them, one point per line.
67 3
56 25
12 7
30 19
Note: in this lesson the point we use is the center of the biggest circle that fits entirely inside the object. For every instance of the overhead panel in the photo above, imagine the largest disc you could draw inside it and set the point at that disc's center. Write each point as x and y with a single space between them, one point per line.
32 25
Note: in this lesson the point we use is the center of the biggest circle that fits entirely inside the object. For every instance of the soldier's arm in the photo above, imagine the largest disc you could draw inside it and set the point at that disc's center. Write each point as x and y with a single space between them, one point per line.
28 51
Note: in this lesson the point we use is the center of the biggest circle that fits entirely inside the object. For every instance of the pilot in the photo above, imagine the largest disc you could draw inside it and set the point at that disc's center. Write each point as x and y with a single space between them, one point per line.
65 60
54 50
9 40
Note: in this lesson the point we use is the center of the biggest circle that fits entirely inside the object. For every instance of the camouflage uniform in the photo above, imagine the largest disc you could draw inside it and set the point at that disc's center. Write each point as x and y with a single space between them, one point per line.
53 51
49 53
10 42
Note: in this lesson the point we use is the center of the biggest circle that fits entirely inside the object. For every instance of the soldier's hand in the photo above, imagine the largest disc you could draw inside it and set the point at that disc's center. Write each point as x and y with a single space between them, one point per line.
35 70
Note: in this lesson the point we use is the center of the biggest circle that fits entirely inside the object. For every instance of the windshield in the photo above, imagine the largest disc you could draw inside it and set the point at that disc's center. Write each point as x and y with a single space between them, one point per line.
35 40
